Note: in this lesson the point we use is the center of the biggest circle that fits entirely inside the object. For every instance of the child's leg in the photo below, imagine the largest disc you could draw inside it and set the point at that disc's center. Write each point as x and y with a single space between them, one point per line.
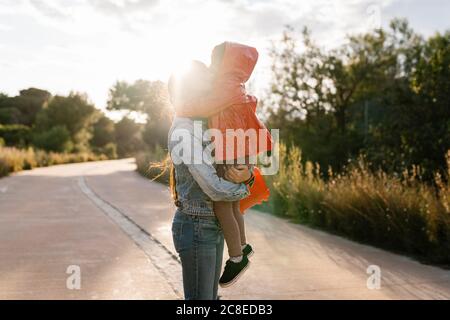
231 232
239 217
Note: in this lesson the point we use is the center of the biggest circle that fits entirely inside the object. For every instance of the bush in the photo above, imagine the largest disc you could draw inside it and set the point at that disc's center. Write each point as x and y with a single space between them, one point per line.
398 213
109 150
15 134
56 139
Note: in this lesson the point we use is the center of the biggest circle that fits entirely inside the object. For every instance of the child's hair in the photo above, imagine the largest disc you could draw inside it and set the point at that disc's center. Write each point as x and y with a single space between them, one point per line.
185 86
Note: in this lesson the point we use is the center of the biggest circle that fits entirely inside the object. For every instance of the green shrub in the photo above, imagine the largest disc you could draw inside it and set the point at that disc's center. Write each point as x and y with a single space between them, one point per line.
56 139
109 150
15 134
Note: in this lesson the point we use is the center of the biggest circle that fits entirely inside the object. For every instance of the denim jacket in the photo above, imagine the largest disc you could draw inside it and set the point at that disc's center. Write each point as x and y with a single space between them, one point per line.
197 183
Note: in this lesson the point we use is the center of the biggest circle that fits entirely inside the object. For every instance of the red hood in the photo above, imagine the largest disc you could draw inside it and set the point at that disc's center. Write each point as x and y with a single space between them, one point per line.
235 69
238 62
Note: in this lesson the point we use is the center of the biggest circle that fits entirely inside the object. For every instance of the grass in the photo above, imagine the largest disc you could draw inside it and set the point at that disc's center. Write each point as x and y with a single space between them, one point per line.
402 214
15 159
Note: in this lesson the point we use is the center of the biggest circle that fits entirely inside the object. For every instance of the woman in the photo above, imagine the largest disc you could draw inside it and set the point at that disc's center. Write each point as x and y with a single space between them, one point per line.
197 236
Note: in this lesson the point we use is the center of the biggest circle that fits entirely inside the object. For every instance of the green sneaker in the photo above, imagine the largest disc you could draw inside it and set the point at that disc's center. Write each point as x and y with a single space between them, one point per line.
233 271
248 251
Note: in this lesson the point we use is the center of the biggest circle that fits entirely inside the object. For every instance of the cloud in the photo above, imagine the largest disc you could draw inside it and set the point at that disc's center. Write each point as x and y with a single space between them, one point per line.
252 18
51 9
4 27
88 44
63 8
122 7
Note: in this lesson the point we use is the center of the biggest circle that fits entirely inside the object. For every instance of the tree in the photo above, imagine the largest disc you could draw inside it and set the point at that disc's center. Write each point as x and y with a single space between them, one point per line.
15 134
30 102
23 108
8 114
55 139
382 93
103 132
73 112
127 136
155 132
430 82
313 91
414 121
149 98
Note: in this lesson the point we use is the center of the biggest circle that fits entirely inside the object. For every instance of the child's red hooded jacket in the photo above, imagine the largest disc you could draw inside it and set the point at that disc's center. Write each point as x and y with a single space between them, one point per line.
228 106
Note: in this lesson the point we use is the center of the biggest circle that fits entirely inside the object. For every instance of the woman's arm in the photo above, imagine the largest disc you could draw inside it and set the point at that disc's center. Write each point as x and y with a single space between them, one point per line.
218 189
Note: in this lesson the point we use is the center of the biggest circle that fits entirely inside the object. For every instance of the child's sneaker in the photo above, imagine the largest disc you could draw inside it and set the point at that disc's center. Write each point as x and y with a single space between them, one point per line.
232 272
248 250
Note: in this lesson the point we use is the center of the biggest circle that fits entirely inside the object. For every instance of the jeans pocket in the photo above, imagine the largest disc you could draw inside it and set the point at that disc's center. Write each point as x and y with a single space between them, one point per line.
209 230
177 233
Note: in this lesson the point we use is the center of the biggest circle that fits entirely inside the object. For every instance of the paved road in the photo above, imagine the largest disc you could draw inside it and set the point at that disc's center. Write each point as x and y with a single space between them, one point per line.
115 225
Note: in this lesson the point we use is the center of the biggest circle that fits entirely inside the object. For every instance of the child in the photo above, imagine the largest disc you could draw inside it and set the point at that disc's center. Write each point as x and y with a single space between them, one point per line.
227 106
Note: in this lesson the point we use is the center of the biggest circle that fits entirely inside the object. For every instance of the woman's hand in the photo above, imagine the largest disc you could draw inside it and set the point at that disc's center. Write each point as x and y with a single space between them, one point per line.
238 174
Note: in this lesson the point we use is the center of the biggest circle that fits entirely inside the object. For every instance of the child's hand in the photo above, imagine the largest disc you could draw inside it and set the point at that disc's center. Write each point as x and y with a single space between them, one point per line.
238 173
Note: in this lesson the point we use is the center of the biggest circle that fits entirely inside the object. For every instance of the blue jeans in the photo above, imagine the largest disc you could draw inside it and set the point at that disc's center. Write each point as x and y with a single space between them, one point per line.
199 243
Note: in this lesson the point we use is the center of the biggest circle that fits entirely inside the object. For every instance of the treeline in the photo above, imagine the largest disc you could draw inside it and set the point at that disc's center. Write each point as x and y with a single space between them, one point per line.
383 94
72 124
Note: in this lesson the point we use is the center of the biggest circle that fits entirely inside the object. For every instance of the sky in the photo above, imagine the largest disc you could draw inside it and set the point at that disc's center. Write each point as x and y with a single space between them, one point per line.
87 45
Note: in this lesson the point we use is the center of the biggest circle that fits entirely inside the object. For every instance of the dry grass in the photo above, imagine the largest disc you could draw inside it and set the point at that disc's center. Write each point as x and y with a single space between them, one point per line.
399 213
14 159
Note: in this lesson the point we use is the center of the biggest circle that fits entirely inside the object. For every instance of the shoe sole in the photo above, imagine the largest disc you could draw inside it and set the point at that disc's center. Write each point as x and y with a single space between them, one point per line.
228 284
250 254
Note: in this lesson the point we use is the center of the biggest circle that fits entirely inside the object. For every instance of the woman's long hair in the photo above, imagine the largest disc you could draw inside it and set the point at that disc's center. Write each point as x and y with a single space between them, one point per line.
163 168
173 183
